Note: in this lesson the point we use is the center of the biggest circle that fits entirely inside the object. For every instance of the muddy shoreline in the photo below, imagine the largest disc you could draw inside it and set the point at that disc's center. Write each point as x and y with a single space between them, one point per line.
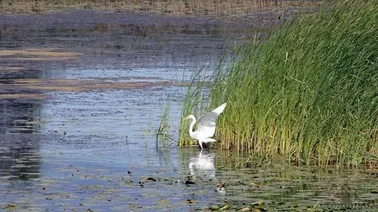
217 9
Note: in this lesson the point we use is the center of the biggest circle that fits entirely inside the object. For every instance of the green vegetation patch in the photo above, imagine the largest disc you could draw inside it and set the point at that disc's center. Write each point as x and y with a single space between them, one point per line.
310 92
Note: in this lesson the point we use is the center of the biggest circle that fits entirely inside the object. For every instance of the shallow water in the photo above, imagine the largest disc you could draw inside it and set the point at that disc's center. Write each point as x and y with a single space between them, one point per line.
95 149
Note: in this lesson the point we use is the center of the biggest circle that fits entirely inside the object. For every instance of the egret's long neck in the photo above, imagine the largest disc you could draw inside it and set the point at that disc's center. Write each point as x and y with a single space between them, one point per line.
191 133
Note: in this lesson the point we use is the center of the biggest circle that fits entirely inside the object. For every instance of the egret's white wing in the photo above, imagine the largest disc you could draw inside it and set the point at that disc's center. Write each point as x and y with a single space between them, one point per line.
206 123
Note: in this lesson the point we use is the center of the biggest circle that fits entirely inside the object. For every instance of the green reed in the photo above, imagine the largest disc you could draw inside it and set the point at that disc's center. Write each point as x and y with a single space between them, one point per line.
310 92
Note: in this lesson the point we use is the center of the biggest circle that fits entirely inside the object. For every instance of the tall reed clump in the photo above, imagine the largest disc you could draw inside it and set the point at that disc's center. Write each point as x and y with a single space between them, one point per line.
310 92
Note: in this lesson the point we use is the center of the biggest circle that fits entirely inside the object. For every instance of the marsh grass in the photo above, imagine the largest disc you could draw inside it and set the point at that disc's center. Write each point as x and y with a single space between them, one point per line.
309 93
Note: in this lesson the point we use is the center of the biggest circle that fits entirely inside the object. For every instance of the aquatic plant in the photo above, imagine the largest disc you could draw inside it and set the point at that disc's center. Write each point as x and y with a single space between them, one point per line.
309 92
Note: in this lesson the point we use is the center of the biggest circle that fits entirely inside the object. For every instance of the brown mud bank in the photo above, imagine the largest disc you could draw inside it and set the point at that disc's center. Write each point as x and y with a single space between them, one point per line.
220 8
36 54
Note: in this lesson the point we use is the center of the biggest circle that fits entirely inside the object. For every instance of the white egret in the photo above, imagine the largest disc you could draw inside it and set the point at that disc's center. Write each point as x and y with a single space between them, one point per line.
205 125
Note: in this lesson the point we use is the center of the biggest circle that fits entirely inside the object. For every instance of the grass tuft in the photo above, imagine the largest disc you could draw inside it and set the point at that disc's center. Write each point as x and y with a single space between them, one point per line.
163 138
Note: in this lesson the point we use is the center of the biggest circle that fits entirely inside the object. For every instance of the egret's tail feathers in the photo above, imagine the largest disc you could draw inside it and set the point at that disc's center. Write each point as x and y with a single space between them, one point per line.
220 109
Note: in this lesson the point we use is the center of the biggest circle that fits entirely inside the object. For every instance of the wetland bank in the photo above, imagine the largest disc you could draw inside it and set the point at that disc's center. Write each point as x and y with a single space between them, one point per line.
82 93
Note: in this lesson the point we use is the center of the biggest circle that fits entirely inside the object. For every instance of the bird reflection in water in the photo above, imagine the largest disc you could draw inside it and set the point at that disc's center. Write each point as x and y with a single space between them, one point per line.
202 167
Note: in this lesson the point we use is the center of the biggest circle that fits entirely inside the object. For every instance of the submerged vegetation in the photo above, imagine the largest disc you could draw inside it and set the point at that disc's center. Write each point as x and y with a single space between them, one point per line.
309 93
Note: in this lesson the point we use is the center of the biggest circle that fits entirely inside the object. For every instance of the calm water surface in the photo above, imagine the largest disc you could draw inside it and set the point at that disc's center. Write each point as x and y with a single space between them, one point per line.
96 150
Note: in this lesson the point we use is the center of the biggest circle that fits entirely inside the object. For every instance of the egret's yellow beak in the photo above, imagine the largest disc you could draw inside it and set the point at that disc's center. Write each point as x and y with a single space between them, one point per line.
186 118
